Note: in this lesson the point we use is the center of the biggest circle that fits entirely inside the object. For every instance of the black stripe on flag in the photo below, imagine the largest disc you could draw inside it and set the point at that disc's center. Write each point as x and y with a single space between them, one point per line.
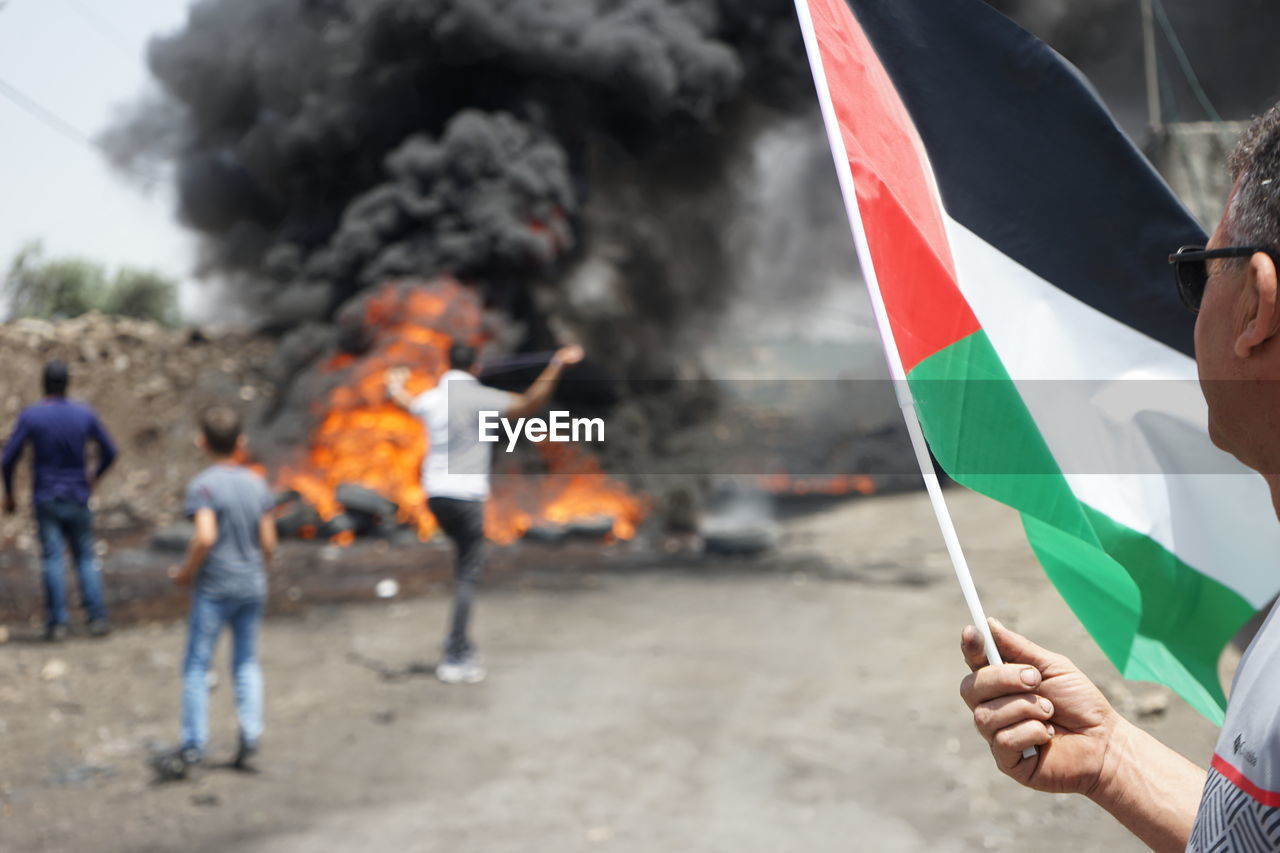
1028 158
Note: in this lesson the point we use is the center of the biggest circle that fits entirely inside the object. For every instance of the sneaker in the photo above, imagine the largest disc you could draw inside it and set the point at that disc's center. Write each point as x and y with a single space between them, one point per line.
460 671
99 628
177 764
246 755
55 633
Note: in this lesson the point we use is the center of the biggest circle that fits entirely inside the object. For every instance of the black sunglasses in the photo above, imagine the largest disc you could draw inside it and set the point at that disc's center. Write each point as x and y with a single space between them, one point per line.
1192 273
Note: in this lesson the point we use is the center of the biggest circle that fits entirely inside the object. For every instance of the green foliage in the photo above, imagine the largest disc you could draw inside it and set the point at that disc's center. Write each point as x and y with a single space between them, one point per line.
49 288
143 294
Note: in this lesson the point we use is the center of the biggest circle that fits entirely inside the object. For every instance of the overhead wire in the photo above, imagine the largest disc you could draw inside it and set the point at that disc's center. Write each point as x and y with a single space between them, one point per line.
1184 63
95 22
55 122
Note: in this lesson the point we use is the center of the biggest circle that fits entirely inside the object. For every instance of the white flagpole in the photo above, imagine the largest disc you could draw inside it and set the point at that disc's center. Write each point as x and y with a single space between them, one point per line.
896 371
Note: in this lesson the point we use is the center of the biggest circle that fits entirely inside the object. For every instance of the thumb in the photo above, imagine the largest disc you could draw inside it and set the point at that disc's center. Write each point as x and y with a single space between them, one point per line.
1015 648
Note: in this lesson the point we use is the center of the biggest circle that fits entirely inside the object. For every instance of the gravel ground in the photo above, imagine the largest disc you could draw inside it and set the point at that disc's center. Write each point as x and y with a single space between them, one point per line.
803 702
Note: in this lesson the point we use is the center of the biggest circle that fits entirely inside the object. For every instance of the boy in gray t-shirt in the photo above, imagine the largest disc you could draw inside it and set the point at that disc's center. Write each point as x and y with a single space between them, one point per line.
235 537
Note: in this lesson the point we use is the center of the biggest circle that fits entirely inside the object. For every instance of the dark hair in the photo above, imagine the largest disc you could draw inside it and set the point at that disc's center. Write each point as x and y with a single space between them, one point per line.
1253 217
221 428
462 357
56 378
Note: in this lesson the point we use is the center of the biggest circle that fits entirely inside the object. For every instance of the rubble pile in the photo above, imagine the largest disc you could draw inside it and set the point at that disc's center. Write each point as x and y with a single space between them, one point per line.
148 383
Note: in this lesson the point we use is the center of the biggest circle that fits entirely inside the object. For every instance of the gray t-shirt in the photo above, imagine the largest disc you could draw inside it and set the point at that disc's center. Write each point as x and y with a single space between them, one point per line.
239 498
1240 807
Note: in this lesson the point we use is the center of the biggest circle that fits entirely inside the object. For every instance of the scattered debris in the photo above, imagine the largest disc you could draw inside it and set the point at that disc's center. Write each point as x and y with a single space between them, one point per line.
80 774
594 527
735 537
173 538
1152 704
53 669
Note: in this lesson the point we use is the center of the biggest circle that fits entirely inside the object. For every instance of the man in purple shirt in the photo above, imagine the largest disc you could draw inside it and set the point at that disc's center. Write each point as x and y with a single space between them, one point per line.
59 430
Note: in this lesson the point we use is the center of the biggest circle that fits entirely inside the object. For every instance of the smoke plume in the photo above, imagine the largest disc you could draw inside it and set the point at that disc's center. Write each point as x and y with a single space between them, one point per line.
323 146
1228 44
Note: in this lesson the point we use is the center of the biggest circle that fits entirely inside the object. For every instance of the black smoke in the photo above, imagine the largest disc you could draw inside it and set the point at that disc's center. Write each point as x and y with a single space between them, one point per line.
323 146
1229 45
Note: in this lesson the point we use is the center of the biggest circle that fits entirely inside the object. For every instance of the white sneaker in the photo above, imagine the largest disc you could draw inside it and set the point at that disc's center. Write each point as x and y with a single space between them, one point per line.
460 672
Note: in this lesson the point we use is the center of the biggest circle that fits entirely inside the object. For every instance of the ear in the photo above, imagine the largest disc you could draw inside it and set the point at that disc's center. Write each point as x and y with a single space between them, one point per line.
241 442
1261 323
200 442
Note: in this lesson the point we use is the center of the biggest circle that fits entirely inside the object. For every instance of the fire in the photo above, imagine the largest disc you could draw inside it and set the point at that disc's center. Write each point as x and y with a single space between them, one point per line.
834 484
575 488
364 438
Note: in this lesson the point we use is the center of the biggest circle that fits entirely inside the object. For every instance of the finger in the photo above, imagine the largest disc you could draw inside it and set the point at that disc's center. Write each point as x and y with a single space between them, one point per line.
973 648
992 682
1016 648
991 717
1009 743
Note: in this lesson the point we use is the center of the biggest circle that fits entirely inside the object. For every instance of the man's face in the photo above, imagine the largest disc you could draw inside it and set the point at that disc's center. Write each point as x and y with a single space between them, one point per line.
1219 369
1236 378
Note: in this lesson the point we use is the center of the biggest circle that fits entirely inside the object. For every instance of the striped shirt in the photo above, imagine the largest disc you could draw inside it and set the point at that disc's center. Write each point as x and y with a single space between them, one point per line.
1240 809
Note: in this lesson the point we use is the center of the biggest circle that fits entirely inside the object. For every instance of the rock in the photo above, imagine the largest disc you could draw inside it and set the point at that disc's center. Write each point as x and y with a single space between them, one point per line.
173 538
1152 704
735 537
53 669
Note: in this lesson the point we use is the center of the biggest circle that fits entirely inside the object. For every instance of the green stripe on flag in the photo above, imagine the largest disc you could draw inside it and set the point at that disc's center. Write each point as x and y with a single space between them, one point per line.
1154 616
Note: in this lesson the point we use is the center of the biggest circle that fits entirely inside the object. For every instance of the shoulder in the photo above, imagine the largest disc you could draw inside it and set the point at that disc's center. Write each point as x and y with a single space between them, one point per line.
254 479
79 411
425 400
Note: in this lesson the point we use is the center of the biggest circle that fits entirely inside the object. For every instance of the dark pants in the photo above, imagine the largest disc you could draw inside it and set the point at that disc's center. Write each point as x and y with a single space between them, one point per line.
66 524
463 523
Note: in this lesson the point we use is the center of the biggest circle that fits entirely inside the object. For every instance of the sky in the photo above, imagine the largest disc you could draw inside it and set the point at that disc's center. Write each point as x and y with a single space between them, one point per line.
81 60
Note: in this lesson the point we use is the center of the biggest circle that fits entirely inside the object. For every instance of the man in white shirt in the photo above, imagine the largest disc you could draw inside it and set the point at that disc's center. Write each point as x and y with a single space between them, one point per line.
455 474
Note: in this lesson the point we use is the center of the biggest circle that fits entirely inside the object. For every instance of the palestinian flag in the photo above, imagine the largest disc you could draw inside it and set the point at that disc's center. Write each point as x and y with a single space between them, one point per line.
1017 243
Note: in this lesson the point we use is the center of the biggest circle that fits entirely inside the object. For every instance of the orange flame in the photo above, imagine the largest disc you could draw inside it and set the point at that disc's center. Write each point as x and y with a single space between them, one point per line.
835 484
363 438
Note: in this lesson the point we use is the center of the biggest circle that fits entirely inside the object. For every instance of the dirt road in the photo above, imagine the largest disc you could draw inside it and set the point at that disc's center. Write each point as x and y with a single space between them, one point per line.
803 702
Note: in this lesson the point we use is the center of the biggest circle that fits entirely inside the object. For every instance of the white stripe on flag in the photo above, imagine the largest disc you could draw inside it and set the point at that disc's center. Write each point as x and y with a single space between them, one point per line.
1104 418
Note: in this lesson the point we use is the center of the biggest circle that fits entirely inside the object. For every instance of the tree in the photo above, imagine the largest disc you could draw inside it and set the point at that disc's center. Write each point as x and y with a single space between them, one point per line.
143 294
50 288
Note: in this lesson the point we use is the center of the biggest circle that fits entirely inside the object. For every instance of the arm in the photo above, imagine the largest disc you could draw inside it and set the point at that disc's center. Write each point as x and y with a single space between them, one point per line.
267 537
1152 790
9 461
538 395
1038 698
202 543
106 449
396 377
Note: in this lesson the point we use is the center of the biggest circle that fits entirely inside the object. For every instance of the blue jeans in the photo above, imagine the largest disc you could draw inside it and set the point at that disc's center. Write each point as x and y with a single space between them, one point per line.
208 615
61 524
